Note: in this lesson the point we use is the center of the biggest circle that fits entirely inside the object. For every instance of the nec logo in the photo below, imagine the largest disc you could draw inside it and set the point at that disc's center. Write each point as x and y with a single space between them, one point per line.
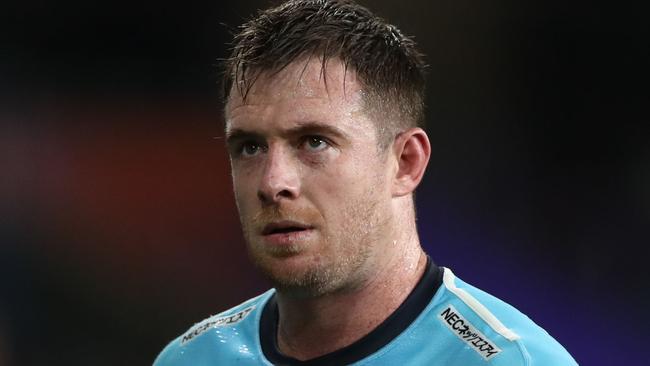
207 324
464 330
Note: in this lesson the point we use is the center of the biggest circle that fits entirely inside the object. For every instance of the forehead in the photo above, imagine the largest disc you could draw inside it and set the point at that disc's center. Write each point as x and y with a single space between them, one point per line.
304 91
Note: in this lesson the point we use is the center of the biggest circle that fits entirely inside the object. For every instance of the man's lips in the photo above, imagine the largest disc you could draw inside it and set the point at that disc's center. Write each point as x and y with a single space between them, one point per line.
284 227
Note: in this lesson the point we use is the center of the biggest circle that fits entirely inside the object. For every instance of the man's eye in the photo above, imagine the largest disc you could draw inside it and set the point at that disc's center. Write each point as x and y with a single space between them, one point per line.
250 149
315 143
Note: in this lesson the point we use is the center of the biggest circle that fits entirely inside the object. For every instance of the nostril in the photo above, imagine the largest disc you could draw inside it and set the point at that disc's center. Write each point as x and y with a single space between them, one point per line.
262 197
285 193
269 197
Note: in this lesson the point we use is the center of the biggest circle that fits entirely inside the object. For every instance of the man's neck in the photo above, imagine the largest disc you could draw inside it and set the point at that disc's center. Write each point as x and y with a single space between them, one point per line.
311 327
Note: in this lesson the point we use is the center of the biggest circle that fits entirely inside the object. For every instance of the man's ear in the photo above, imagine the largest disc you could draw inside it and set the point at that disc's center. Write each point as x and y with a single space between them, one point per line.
412 151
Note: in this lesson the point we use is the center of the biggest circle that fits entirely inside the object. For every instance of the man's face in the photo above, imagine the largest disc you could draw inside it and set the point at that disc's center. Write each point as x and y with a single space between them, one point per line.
311 184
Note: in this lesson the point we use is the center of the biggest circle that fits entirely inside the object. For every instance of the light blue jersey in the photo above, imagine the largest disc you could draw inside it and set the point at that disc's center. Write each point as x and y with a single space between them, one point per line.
457 325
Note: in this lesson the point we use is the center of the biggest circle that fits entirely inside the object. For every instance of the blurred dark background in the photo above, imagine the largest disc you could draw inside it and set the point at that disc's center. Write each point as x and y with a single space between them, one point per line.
118 228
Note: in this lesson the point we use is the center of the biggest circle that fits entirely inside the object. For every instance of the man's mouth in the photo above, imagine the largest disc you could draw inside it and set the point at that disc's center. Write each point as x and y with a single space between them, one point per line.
284 227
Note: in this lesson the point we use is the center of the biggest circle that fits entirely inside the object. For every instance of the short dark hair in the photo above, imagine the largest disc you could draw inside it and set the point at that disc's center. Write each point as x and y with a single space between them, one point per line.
386 62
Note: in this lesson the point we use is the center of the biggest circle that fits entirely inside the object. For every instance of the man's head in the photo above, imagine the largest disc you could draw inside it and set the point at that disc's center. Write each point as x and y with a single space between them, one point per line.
387 63
323 170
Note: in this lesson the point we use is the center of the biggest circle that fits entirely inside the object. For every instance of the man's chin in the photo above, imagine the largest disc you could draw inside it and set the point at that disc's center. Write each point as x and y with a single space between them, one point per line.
295 275
286 266
283 252
300 287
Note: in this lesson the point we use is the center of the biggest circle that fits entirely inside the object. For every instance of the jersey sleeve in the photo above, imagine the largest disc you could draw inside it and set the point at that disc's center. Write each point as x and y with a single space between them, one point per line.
546 351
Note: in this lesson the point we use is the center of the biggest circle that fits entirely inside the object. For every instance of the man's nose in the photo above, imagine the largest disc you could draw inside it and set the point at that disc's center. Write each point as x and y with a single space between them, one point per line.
280 179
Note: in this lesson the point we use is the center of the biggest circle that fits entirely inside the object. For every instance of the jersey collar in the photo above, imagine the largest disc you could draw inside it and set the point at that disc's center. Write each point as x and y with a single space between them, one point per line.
388 330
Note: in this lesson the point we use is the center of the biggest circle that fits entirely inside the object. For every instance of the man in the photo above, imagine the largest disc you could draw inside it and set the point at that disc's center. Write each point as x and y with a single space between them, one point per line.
323 104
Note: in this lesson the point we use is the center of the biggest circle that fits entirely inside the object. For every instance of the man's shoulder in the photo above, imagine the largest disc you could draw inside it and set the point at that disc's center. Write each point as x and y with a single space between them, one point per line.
494 329
234 330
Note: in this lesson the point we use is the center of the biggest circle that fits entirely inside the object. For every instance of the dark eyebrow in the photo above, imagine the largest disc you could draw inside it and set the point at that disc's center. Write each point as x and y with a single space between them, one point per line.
232 136
317 128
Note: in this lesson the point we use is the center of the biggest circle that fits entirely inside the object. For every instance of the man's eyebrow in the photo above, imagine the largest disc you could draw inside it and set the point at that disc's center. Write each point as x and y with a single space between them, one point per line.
237 134
303 128
316 128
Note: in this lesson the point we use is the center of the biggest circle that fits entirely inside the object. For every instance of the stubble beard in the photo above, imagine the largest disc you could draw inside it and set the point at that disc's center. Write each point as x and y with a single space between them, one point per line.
344 252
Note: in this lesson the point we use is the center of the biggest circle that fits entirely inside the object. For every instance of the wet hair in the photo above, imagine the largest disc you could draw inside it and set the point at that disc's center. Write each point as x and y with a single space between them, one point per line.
387 63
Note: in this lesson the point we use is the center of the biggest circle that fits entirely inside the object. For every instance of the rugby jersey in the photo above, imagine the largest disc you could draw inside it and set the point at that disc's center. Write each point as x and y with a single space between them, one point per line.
444 321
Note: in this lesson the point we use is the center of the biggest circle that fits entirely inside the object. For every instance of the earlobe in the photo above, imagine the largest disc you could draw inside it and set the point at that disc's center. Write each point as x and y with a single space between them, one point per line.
412 151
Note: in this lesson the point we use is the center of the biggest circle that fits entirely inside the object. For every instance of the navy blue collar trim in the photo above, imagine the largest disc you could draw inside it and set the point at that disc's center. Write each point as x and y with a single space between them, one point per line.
392 327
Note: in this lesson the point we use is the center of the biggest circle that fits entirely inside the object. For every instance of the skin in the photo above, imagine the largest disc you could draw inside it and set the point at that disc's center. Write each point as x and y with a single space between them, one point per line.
305 159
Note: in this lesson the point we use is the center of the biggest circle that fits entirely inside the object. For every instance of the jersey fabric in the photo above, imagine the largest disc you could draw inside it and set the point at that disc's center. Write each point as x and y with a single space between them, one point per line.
444 321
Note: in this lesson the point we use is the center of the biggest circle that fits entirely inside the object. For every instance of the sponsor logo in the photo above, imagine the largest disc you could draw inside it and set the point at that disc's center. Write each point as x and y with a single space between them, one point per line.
468 333
207 324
